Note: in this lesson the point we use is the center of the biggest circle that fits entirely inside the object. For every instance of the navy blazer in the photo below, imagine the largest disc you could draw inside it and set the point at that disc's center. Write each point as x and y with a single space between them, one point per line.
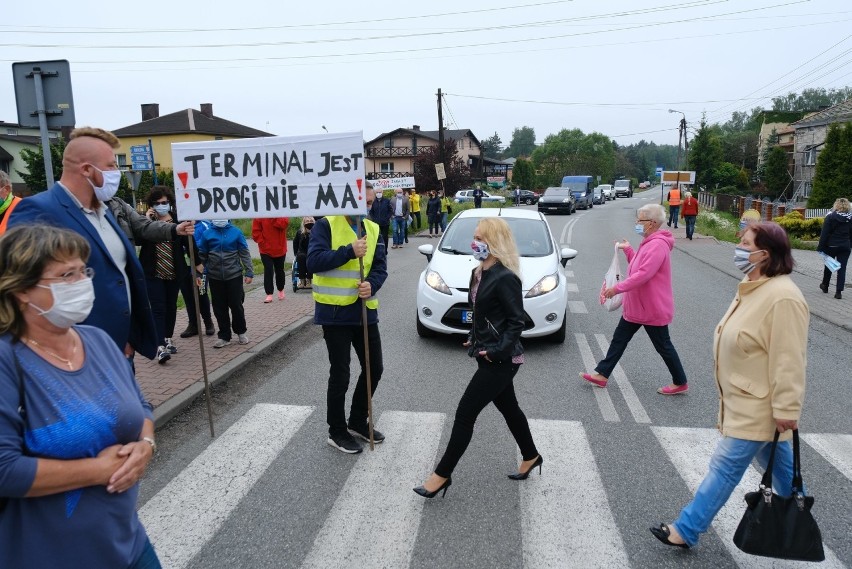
111 312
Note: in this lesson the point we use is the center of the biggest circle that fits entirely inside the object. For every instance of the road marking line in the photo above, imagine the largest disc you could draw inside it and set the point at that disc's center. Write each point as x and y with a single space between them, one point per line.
572 287
376 517
690 451
569 274
182 517
633 403
601 395
567 232
553 535
835 448
577 307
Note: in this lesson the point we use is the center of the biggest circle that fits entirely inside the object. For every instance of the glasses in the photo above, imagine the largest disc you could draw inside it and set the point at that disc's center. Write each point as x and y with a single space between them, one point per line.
643 220
162 203
73 276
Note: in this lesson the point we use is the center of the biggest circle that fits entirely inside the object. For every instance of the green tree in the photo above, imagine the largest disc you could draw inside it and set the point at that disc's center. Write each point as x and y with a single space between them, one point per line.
811 99
522 144
833 176
705 154
34 177
492 146
523 174
726 174
458 173
571 152
776 175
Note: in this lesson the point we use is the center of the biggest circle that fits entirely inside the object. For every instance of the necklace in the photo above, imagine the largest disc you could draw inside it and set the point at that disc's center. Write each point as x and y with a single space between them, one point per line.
66 361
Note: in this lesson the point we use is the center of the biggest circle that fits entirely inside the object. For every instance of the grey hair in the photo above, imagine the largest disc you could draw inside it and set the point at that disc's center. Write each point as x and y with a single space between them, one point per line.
687 195
5 180
652 211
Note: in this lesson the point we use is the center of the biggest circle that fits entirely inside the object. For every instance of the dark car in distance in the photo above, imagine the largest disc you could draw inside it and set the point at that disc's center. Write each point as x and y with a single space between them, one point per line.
529 197
557 200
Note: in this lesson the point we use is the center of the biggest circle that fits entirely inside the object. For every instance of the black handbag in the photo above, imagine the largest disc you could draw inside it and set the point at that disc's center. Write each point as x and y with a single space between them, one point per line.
778 527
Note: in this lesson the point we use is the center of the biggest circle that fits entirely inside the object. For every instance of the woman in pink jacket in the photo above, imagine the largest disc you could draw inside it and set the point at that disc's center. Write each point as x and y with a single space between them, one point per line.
648 301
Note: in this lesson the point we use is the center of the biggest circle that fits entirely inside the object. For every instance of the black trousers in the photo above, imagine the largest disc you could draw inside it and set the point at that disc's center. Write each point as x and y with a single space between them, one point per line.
842 256
339 341
272 267
302 261
228 297
384 231
417 221
492 382
659 336
162 294
189 300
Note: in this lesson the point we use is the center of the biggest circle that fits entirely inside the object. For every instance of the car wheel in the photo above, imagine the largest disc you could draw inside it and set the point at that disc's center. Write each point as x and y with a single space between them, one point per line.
422 330
558 337
528 201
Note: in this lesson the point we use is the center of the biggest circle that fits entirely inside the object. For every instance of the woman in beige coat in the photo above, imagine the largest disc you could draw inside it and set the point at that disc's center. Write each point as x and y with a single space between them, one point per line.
760 349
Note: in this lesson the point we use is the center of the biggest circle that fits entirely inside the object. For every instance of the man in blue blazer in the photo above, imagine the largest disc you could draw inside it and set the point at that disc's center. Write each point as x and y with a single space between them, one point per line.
90 176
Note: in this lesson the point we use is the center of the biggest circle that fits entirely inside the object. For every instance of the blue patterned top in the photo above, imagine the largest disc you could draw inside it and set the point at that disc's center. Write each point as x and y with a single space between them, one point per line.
68 415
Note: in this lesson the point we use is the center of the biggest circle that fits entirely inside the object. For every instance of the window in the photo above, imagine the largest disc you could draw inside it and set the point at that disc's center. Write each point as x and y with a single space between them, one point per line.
217 138
461 144
12 131
121 160
52 134
810 156
389 143
387 166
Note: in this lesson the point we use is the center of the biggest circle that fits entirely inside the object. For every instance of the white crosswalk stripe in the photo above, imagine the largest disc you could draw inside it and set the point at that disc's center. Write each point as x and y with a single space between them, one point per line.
602 397
552 534
577 307
362 531
182 517
690 451
636 408
835 448
572 287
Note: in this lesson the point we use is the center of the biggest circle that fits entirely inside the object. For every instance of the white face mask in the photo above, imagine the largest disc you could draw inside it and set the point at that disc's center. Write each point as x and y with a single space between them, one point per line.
162 209
72 302
219 222
112 178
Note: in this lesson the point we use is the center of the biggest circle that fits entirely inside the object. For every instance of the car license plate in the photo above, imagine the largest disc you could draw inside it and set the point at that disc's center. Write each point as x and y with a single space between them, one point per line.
467 316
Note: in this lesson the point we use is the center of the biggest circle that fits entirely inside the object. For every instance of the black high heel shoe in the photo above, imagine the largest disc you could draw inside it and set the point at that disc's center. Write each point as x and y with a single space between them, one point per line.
427 494
523 475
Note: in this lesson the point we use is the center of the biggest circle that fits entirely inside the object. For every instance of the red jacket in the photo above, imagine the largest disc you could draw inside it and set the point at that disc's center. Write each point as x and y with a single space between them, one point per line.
270 234
689 207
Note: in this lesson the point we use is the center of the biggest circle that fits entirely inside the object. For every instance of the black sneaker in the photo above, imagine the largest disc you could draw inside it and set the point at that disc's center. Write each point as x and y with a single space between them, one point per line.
189 332
345 443
364 434
209 329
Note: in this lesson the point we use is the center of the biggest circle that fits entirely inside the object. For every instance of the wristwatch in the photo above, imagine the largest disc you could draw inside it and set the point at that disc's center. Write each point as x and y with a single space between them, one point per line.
151 442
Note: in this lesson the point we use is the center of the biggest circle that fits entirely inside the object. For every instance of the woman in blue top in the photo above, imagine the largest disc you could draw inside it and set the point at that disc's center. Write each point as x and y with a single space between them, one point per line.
76 434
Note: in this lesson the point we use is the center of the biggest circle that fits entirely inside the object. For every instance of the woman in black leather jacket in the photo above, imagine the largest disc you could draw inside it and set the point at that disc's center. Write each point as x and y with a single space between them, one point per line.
498 320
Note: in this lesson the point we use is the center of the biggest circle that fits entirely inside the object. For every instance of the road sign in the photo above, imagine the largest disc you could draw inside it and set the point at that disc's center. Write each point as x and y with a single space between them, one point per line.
659 171
134 178
43 88
143 165
140 149
439 170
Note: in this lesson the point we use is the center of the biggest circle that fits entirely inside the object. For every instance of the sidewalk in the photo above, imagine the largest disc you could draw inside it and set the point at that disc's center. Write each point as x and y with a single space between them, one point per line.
173 386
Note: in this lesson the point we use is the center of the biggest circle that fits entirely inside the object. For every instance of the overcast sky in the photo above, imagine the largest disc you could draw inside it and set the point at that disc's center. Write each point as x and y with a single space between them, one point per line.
611 66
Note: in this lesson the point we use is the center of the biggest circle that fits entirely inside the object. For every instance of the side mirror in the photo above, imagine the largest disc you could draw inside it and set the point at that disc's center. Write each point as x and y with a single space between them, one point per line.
565 254
429 250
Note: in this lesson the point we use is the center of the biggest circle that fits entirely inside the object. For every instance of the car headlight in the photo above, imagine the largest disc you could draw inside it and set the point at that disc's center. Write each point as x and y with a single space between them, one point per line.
545 285
566 200
435 281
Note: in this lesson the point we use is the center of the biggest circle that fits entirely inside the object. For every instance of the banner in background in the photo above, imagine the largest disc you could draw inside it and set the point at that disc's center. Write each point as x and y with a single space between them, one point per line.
393 183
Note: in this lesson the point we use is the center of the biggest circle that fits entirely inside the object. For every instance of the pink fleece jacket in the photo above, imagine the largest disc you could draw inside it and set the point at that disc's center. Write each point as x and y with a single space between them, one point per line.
648 297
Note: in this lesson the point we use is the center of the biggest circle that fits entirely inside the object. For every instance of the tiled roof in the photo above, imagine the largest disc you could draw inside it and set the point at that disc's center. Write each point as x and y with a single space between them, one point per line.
457 134
24 139
189 121
841 112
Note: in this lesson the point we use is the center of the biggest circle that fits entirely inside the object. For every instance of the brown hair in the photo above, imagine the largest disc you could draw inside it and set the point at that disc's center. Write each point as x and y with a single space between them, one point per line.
25 250
158 192
771 237
98 133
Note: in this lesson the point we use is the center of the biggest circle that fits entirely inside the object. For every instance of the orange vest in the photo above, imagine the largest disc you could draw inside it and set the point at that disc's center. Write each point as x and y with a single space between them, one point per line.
8 213
674 197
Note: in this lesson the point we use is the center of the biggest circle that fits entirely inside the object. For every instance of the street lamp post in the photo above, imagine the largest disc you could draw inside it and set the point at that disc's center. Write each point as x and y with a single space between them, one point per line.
681 135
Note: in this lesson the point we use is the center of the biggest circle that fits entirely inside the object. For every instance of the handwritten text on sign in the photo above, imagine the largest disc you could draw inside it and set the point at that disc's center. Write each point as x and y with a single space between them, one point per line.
270 177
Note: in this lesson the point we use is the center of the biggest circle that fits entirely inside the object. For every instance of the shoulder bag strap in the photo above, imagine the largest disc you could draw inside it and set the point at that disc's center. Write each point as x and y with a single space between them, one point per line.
766 482
798 485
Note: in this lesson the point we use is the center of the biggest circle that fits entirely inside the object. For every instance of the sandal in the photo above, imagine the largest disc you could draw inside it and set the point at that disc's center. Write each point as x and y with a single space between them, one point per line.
663 532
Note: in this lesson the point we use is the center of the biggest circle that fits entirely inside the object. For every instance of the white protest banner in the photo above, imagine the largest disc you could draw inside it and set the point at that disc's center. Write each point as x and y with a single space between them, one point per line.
321 174
393 183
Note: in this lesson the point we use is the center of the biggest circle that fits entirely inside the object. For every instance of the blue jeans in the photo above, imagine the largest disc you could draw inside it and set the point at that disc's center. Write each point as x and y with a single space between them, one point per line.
444 216
674 211
727 466
690 225
148 559
398 230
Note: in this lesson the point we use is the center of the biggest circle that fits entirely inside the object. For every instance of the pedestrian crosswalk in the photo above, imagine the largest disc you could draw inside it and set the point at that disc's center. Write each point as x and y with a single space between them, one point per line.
566 517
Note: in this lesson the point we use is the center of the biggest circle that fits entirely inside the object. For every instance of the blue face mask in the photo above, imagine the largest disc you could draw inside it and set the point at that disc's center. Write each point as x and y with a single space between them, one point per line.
480 250
741 259
162 209
640 229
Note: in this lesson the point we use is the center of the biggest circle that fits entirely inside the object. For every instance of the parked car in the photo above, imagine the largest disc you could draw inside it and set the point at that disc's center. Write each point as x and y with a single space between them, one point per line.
623 188
442 302
557 200
644 185
529 197
581 187
608 191
598 196
467 196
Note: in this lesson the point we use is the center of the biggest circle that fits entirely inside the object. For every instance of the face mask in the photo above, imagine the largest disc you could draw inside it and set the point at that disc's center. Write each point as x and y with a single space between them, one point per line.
640 229
111 180
219 222
72 303
162 209
309 226
742 225
741 259
480 250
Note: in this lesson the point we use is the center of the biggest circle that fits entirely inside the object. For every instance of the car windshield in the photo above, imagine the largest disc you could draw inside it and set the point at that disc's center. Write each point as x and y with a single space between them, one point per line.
531 236
576 187
622 183
557 193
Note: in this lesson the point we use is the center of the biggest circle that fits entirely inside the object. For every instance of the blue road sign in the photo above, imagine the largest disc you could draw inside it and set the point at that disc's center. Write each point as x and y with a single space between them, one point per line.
140 149
143 165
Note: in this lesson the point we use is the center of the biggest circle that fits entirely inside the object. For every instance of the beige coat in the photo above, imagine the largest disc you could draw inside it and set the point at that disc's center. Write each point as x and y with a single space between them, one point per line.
760 349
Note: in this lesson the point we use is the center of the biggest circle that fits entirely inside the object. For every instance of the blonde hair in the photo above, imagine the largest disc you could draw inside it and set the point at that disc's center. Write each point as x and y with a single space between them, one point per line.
25 251
305 220
841 204
501 242
98 133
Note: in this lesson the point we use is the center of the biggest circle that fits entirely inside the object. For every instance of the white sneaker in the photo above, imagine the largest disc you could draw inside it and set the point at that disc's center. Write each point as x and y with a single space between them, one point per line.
243 339
220 343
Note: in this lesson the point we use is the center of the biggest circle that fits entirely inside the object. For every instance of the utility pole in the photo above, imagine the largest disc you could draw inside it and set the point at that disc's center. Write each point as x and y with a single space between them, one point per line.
440 128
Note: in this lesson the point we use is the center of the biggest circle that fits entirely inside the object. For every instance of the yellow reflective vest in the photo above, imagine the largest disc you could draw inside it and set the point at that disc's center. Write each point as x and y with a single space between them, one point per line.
339 286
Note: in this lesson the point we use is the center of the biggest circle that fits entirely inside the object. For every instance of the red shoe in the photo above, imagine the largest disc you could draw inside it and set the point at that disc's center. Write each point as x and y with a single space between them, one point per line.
669 390
593 379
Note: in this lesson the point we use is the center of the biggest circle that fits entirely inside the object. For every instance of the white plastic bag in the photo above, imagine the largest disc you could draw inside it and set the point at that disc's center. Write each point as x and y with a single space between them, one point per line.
612 276
831 263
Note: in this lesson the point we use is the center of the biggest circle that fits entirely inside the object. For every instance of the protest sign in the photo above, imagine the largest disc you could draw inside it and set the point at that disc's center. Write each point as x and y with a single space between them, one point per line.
277 176
393 183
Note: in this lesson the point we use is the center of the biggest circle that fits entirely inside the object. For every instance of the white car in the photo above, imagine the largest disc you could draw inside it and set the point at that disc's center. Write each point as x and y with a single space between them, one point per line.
608 191
467 196
442 304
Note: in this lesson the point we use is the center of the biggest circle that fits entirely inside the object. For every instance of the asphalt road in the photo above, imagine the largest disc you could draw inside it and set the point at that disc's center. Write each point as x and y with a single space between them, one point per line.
269 492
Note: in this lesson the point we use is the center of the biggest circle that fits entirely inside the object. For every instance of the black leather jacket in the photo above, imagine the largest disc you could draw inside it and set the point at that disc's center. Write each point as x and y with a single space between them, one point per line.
498 314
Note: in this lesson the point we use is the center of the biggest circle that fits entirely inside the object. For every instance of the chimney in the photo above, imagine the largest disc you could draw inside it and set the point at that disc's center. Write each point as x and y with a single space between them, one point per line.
416 127
150 111
207 110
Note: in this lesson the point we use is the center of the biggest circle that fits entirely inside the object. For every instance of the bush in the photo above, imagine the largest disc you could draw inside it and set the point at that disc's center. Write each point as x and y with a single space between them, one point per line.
798 227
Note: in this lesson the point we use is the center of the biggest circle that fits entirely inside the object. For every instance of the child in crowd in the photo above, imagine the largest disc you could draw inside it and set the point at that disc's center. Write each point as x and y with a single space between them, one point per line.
224 256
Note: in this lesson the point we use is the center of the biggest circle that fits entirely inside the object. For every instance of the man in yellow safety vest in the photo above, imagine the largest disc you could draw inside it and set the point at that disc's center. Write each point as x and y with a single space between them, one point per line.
333 258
